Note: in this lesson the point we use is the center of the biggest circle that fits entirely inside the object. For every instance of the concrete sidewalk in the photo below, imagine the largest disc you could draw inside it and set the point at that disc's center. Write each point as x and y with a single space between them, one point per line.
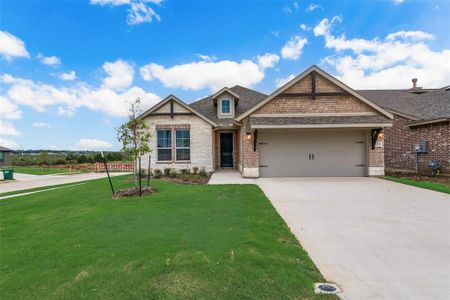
229 177
27 181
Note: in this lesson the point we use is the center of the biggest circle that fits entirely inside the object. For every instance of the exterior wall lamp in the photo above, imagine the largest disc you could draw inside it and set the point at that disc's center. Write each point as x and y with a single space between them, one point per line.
248 136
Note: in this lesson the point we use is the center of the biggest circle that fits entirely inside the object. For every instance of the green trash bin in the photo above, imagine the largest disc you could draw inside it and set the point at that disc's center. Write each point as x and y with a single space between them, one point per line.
8 174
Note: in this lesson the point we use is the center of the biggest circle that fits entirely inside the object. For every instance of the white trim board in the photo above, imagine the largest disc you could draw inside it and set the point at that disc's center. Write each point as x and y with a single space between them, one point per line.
364 125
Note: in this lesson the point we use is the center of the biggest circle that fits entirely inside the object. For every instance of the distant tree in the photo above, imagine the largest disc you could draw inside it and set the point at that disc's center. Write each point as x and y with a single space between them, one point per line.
82 159
134 134
43 158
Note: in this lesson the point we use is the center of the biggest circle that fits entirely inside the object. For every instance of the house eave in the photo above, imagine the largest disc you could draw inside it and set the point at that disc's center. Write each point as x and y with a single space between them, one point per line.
323 126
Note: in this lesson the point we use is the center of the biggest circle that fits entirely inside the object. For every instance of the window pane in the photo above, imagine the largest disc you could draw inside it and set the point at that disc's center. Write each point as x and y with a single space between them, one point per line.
164 139
164 154
183 154
225 106
183 139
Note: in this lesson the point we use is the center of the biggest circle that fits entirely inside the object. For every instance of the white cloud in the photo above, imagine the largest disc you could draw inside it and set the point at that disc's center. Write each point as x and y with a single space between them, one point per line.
410 35
42 124
398 1
139 11
276 33
93 144
305 27
10 144
7 128
279 82
287 10
68 111
68 76
312 7
268 60
293 48
11 46
388 62
68 99
206 74
119 74
49 60
9 110
207 57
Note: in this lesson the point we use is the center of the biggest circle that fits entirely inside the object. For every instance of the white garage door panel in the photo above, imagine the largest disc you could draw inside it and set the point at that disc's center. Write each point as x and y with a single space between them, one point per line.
312 153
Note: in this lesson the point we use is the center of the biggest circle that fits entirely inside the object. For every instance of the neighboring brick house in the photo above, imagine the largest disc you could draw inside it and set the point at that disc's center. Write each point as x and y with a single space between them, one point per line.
420 116
314 125
5 156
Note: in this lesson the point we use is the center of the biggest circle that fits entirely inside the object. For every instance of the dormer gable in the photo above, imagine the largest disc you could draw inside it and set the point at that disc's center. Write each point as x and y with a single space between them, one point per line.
225 100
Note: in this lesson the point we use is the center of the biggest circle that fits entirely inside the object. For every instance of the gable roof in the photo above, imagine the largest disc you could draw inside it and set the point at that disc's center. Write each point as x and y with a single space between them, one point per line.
225 90
248 99
179 102
321 72
430 105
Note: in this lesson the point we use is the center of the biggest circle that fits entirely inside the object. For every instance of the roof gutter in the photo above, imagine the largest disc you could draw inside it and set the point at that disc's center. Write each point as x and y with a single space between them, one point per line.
426 122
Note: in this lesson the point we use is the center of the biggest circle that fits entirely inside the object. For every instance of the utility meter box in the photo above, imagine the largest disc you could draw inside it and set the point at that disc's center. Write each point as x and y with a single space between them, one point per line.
424 146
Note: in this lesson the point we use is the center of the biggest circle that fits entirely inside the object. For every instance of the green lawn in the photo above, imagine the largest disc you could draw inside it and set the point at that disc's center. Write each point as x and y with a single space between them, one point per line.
435 186
35 170
184 242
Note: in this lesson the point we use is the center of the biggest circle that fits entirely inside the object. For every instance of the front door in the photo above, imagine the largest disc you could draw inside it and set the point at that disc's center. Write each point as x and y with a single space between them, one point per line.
226 149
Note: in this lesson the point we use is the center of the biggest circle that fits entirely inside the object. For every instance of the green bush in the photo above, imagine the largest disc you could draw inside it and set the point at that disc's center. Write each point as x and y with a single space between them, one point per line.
202 172
167 171
157 173
172 173
185 171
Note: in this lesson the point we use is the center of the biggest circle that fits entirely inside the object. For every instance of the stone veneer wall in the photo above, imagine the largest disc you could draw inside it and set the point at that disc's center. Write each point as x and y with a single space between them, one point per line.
201 142
400 141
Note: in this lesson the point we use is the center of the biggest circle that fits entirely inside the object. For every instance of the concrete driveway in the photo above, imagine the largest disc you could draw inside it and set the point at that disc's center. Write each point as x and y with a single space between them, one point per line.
375 238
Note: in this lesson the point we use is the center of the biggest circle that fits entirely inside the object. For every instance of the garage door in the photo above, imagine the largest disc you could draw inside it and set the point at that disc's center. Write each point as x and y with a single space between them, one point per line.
312 153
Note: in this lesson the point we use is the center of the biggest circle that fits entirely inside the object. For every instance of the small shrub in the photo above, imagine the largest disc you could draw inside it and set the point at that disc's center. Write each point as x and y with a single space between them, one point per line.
172 173
202 172
195 170
167 171
157 173
185 171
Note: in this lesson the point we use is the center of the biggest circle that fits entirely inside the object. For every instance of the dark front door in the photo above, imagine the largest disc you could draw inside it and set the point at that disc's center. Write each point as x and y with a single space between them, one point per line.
226 149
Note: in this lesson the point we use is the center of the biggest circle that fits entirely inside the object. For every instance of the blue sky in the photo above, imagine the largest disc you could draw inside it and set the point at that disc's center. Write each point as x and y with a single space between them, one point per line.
67 68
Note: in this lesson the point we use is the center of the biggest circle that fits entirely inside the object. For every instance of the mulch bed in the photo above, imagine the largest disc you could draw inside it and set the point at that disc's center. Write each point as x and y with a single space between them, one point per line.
134 191
188 179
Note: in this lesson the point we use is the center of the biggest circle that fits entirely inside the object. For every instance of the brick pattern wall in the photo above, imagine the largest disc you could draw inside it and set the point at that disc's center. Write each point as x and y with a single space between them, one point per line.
335 104
400 141
250 157
292 105
376 156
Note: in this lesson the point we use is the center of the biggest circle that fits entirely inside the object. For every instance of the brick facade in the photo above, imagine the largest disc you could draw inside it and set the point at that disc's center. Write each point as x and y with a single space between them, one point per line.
298 105
400 141
335 104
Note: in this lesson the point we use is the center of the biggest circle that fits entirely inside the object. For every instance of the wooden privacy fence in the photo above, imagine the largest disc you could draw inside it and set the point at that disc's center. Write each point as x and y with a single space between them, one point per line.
115 167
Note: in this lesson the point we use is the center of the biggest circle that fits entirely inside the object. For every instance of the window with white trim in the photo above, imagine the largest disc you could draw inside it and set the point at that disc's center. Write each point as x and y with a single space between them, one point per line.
225 107
183 144
164 145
